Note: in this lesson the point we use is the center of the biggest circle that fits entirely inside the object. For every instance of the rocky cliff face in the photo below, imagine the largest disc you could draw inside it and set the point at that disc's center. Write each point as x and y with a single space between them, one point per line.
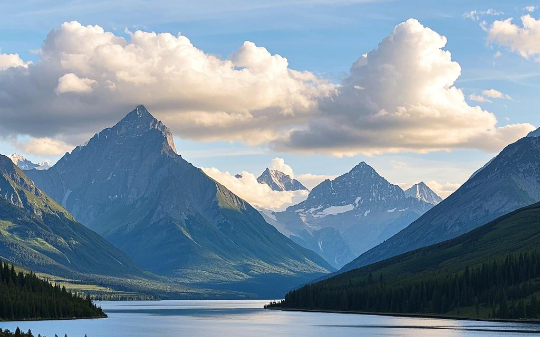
508 182
129 184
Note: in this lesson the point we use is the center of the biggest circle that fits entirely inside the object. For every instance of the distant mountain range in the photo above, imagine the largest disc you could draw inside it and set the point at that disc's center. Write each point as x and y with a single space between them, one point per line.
129 185
25 164
509 181
38 233
279 181
345 217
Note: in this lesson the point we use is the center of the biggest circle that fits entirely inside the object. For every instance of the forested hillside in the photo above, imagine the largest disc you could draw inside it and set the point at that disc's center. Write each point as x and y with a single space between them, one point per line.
491 272
23 296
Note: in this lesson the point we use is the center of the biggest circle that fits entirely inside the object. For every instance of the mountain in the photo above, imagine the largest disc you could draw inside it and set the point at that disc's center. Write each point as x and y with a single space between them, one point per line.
535 133
39 234
345 217
25 164
422 192
509 181
491 272
129 185
279 181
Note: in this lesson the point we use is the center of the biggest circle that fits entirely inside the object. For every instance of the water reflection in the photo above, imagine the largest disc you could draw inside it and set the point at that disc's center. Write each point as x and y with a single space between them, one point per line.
247 318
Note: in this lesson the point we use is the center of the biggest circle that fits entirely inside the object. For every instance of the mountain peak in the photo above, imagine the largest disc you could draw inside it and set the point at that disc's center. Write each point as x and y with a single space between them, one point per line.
362 167
138 122
25 164
140 112
422 192
279 181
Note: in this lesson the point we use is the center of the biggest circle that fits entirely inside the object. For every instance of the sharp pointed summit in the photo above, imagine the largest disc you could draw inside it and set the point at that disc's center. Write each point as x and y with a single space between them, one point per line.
138 122
421 191
357 211
129 185
279 181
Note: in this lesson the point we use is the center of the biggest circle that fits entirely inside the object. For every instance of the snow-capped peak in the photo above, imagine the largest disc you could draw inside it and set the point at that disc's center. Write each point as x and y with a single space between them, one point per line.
25 164
422 192
279 181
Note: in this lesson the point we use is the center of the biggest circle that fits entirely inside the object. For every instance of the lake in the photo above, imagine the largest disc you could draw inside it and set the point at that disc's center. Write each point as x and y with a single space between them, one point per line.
247 318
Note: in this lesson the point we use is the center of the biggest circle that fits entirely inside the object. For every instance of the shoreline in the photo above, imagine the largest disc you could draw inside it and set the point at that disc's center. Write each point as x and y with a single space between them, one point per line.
389 314
53 319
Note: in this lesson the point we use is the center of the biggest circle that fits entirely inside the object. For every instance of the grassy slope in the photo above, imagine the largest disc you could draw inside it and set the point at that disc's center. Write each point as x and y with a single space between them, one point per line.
517 232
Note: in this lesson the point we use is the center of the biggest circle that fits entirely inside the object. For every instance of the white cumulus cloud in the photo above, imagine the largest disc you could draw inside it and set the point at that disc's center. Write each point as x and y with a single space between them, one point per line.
249 97
259 195
72 83
486 94
42 146
495 94
524 40
398 97
478 98
408 103
12 61
279 164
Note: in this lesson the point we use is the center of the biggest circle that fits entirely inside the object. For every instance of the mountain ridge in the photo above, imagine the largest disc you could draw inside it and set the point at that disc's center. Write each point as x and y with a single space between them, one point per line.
356 211
506 183
474 275
38 233
129 184
25 164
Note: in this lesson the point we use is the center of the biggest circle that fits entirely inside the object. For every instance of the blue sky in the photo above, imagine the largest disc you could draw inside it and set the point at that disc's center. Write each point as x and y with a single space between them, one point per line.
322 37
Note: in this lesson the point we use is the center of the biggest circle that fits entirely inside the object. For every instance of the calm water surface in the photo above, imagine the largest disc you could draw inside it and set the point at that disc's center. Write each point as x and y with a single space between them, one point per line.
246 318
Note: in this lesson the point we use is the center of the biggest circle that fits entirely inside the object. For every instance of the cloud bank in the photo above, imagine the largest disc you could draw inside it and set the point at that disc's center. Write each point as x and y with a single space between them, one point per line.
398 97
88 78
401 97
259 195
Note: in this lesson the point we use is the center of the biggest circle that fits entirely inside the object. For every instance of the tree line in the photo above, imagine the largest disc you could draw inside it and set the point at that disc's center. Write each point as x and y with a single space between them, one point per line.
505 288
19 333
24 296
